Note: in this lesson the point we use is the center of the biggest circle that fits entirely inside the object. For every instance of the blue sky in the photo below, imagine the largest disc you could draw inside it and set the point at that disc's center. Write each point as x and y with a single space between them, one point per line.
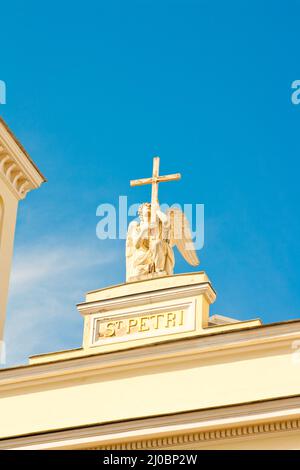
95 90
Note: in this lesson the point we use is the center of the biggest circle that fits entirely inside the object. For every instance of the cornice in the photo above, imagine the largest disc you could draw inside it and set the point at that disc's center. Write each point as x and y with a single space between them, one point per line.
241 342
197 439
169 293
17 170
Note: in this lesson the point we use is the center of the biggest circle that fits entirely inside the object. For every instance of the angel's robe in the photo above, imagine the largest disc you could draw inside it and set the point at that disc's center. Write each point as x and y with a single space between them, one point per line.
146 255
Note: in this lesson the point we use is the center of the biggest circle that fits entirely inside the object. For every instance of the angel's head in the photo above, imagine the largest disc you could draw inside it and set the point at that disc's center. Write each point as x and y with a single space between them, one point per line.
144 211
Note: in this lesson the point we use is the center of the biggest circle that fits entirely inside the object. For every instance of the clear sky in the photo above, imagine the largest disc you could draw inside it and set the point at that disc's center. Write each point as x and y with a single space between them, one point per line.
95 89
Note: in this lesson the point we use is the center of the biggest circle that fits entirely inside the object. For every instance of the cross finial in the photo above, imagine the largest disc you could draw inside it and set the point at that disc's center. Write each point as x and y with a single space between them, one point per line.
154 181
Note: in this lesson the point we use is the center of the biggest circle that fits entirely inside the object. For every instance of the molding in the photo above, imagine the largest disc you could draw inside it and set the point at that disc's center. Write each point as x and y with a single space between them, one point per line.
259 340
206 437
170 293
188 328
148 285
16 168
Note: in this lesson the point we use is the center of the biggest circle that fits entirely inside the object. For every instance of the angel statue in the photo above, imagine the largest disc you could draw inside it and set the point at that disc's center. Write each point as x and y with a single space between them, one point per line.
149 244
150 241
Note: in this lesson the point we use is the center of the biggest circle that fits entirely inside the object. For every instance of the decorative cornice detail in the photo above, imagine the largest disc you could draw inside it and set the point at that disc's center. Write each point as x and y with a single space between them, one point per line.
16 168
205 436
13 174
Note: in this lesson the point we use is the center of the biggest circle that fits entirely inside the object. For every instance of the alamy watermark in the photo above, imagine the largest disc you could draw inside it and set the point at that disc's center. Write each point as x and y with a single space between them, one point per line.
295 96
2 92
113 223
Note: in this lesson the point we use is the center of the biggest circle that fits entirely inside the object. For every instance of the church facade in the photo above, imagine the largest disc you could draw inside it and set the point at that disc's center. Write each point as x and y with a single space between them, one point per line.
157 371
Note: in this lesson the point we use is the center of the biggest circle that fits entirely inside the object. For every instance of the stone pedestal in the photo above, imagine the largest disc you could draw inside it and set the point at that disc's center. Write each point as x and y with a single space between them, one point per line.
145 313
148 311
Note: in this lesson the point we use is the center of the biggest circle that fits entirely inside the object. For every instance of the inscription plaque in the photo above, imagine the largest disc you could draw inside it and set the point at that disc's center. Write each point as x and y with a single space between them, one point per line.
142 324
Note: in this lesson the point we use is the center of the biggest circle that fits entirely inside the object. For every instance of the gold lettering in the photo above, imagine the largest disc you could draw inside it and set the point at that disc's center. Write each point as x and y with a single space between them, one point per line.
143 326
131 324
110 329
156 320
171 318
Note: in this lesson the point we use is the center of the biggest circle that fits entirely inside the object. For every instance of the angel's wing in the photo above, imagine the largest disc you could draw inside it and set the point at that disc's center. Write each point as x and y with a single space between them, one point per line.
181 235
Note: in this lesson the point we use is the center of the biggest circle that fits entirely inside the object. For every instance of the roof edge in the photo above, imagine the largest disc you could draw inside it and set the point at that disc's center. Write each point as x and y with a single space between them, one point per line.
18 143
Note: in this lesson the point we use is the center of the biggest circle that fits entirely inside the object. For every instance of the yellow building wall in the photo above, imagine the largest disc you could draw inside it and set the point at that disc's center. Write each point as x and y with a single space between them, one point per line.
8 214
169 387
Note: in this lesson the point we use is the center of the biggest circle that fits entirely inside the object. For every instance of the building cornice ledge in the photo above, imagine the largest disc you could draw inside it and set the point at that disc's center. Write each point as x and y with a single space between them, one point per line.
16 167
258 340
